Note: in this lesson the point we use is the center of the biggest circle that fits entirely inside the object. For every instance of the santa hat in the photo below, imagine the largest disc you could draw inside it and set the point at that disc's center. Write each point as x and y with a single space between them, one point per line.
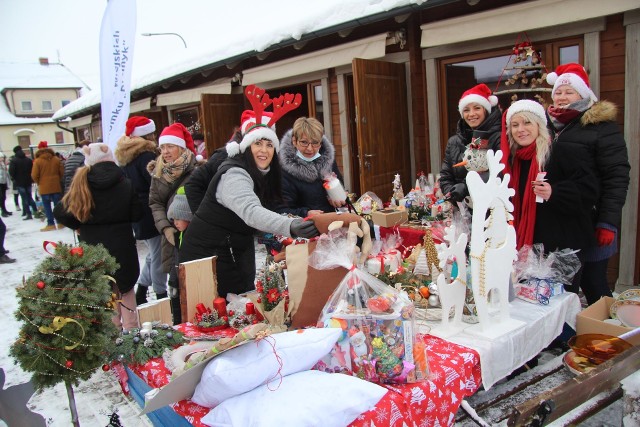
526 105
97 152
574 75
139 126
252 132
480 94
43 144
258 124
177 134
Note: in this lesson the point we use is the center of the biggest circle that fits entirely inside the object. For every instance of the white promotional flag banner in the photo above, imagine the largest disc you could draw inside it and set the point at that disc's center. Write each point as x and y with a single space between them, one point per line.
117 37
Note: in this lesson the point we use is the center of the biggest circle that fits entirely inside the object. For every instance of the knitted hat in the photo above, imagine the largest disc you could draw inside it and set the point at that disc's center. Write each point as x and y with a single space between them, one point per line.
139 126
43 144
528 106
258 124
177 134
97 152
574 75
179 207
480 94
252 132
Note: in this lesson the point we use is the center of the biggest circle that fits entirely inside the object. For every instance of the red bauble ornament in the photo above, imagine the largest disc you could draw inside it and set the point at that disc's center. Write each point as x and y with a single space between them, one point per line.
68 364
106 367
77 251
40 284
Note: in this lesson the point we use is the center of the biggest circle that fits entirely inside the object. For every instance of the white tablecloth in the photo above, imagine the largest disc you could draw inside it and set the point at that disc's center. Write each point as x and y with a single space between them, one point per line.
543 323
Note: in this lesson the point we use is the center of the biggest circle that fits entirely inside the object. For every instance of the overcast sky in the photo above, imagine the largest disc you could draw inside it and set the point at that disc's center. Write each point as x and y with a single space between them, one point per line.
68 30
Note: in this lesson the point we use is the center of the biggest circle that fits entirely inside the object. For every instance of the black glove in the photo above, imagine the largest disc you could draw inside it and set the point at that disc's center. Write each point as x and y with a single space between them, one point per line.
458 193
302 228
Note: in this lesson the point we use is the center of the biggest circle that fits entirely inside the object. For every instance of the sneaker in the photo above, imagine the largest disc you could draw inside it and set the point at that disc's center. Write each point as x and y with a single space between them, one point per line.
39 215
4 259
60 226
48 228
27 217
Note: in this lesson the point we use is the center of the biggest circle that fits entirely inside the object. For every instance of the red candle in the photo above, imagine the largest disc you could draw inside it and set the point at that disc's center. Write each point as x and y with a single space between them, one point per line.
250 309
220 306
201 309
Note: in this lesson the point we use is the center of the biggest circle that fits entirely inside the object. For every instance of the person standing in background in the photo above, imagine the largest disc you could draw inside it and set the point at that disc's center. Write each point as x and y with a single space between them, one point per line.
75 160
4 181
20 168
580 121
47 172
201 147
134 150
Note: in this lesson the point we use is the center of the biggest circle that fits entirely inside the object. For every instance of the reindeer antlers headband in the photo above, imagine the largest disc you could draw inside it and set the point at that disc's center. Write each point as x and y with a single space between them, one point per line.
259 124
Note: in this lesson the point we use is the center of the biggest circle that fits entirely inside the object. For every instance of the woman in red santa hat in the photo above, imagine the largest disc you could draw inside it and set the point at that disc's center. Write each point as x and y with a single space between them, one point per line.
235 206
480 123
579 120
134 151
169 172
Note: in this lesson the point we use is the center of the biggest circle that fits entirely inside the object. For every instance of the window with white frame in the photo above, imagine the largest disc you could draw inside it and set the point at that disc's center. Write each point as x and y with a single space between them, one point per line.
47 106
25 105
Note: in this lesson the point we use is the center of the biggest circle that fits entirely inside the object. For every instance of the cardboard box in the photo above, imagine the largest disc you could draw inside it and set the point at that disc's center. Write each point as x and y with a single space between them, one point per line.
591 321
389 217
155 311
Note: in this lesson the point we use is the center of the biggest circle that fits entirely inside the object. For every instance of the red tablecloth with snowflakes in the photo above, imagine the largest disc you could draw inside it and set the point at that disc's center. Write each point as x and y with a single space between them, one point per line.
454 374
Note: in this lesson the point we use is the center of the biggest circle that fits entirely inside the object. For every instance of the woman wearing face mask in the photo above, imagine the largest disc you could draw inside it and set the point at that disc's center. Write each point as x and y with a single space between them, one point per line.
562 216
233 207
578 119
479 124
307 157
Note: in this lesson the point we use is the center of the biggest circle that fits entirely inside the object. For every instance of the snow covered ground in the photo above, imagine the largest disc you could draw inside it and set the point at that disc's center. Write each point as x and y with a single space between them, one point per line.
97 398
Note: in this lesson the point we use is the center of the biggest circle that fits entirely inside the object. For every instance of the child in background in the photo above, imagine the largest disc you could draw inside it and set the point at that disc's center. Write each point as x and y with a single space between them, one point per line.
180 214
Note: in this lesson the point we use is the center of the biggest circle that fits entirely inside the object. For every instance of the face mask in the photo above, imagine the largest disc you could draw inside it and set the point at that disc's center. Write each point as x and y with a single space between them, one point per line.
307 159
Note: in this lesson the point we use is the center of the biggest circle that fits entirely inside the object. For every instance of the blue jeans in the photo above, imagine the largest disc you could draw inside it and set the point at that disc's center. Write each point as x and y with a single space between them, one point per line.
47 200
27 201
151 271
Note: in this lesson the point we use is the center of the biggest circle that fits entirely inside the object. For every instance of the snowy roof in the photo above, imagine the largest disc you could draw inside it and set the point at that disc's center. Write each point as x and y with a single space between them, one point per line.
311 17
14 75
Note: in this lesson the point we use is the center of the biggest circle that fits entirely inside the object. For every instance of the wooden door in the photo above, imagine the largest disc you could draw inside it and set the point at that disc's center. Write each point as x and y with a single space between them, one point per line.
382 125
220 115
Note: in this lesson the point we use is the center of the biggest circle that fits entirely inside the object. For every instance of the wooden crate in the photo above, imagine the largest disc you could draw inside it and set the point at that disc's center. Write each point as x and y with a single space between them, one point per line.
198 284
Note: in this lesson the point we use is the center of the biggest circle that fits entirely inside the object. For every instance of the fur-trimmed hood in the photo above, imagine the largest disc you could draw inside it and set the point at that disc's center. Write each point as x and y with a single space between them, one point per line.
128 148
45 153
601 111
300 169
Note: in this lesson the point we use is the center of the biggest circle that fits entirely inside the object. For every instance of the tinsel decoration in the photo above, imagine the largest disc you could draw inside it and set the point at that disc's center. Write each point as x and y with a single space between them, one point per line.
139 345
66 321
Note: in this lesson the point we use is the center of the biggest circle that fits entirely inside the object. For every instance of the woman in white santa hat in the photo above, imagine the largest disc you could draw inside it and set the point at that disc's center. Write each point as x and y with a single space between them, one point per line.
235 205
481 122
561 217
578 119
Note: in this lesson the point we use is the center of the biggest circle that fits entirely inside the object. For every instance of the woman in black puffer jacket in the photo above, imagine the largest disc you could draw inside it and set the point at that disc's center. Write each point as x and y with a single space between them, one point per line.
479 119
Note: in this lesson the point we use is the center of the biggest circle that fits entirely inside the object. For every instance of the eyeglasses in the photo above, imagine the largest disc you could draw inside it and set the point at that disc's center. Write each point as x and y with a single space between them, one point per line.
304 143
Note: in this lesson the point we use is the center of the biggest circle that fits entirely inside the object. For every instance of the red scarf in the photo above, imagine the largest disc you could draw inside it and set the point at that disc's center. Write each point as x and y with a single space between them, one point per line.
524 213
562 115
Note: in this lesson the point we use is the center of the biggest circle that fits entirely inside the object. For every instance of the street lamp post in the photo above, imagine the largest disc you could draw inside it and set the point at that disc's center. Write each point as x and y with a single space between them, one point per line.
165 34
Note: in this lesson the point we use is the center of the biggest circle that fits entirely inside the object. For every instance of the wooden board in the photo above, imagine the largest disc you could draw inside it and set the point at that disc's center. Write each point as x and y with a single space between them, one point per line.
198 284
155 311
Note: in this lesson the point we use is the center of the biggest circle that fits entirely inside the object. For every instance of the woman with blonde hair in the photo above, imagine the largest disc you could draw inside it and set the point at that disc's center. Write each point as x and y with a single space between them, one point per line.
101 204
169 172
554 190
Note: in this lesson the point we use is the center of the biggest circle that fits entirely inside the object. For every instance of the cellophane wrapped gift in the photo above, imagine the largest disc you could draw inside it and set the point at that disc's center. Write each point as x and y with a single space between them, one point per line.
539 277
378 341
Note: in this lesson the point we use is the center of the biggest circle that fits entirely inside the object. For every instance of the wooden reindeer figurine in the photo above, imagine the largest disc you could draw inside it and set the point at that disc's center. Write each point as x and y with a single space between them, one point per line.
452 294
493 247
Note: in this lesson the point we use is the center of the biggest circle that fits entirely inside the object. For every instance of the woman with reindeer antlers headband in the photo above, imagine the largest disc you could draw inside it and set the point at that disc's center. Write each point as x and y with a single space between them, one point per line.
233 207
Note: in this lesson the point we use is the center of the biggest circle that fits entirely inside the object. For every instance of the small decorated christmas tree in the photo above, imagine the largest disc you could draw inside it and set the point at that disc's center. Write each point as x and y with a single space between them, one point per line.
388 365
66 306
398 193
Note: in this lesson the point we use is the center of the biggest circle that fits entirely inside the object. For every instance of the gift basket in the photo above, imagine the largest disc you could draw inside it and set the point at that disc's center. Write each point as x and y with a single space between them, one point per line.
538 276
378 340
